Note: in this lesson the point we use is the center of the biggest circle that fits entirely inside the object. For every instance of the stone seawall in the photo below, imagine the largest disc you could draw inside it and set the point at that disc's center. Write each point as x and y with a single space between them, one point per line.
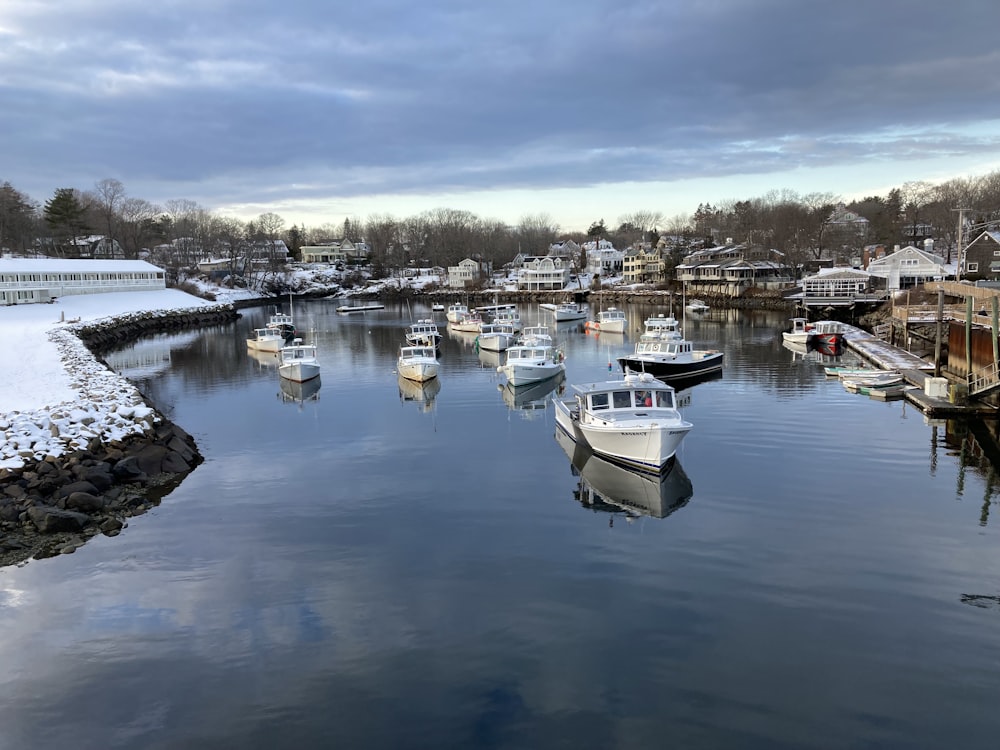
56 501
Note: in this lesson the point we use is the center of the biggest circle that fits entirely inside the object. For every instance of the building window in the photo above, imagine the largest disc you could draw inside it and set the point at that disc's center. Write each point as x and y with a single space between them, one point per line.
972 267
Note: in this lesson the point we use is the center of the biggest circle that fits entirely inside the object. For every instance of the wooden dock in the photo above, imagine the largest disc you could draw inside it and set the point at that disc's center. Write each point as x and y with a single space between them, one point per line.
915 372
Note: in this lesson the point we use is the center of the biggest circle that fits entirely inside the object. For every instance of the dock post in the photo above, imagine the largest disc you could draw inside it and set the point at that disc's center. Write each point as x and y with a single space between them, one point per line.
996 354
968 336
937 338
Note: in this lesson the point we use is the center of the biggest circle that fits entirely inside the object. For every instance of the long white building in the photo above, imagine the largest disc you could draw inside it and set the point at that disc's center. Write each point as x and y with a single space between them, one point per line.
26 280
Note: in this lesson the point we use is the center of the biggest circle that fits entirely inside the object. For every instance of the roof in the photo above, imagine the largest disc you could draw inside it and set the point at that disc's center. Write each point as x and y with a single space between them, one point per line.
74 265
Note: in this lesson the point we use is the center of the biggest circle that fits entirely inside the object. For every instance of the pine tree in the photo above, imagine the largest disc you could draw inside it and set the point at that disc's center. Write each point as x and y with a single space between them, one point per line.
65 214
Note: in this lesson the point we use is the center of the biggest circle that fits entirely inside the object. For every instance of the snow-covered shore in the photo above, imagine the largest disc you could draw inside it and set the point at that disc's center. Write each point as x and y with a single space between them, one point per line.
55 396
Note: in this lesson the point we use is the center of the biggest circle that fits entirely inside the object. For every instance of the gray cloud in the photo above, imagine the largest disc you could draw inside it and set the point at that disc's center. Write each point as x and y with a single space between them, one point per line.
241 101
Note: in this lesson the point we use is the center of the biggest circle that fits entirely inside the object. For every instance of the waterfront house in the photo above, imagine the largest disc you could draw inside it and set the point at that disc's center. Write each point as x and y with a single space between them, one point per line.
468 272
841 286
910 266
26 280
981 258
544 274
731 269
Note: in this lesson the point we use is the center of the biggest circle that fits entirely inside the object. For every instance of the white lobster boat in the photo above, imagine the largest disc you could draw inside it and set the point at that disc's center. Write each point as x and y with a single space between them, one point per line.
531 363
266 340
417 363
633 421
298 362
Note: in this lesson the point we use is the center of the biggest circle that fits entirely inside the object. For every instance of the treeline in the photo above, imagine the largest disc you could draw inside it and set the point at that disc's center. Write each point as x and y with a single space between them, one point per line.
801 226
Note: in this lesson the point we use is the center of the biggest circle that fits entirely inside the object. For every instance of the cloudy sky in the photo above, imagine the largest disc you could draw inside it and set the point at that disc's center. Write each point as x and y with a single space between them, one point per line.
579 109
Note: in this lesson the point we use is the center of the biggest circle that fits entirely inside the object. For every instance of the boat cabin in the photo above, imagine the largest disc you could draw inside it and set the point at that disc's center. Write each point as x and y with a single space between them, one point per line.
634 392
612 313
267 333
664 347
412 352
662 327
515 353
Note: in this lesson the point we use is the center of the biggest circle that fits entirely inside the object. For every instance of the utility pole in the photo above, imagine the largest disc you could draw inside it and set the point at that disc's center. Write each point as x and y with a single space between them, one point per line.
961 226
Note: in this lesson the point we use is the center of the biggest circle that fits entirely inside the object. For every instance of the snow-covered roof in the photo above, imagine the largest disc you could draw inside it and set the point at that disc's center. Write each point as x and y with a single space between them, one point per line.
74 265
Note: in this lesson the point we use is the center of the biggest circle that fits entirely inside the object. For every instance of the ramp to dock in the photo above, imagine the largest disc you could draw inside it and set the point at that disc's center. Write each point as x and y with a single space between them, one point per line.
882 353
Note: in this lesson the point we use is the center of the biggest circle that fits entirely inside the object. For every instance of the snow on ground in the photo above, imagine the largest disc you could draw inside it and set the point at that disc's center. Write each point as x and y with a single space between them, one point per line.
54 395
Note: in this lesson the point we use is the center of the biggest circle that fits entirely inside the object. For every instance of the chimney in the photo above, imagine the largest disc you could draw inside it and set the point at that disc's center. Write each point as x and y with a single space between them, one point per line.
896 249
929 245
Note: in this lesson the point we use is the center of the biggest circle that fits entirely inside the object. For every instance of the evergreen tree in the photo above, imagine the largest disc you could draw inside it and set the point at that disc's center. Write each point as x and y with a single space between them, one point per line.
65 214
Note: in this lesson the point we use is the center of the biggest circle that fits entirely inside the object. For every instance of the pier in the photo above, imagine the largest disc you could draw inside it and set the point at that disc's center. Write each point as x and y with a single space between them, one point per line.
915 372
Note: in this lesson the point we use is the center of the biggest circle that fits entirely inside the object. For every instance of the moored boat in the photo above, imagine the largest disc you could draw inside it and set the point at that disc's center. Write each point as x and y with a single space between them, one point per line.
423 333
266 339
417 363
633 421
456 312
663 352
496 337
531 363
799 333
611 320
298 362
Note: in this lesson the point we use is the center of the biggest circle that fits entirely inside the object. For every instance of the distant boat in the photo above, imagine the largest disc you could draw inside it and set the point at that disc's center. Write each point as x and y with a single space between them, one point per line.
456 312
611 320
266 339
423 333
696 306
437 307
359 308
800 332
566 311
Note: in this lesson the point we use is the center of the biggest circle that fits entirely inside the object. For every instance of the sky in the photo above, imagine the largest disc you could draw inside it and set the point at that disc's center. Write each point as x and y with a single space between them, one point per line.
578 110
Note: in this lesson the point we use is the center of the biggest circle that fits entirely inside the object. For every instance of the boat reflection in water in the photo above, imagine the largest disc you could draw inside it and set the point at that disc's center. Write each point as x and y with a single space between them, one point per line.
299 393
266 360
533 397
419 393
611 488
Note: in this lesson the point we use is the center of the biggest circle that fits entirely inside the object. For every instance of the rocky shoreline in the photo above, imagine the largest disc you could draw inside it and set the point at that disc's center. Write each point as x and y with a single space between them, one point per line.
82 472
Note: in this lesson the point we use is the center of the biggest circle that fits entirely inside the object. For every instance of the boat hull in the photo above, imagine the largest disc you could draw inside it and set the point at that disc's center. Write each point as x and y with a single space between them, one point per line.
642 447
523 373
266 345
299 372
671 369
418 371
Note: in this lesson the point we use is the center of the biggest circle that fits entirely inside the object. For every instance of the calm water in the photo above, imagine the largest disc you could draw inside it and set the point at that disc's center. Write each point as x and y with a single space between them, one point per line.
385 569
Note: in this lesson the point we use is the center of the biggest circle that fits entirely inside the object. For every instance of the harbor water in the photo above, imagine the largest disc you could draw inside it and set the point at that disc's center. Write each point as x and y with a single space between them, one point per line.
367 562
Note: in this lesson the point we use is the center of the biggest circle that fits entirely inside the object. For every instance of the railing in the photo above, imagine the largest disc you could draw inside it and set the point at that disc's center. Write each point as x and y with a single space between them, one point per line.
984 380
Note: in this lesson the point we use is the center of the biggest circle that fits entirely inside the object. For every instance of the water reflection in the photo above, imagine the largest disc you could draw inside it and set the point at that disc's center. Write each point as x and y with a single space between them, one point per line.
266 360
607 487
299 392
419 393
532 396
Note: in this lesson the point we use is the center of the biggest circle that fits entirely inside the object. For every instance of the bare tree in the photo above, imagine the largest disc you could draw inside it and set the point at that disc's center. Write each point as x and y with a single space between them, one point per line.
136 225
106 200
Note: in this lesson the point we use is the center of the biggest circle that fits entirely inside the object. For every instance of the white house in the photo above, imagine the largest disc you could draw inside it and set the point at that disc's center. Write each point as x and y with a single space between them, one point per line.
545 273
466 273
43 279
838 286
909 266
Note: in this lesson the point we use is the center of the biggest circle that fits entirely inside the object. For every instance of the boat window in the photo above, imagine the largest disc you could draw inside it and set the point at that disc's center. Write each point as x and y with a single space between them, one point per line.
599 401
622 399
665 399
